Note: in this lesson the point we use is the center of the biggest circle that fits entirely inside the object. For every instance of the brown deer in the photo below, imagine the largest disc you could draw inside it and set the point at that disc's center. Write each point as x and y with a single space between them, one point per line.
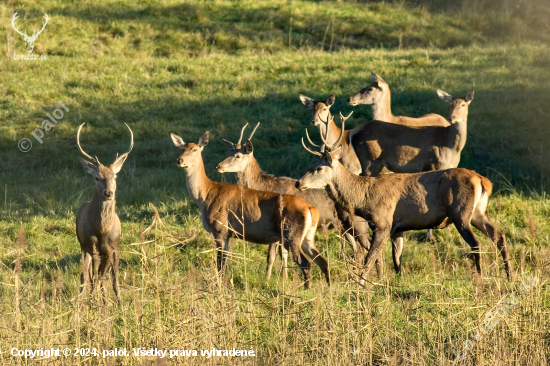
97 224
241 160
232 211
378 96
322 118
395 203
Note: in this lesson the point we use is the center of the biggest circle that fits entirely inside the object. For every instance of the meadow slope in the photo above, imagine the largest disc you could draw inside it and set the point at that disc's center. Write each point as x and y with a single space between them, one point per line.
188 67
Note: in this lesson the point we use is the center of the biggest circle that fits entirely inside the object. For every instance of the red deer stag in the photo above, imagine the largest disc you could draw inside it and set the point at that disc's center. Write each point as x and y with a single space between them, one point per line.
97 224
395 203
229 211
378 96
241 160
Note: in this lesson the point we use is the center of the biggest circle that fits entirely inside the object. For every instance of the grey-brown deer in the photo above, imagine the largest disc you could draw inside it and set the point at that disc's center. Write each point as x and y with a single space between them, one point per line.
232 211
395 203
378 96
97 224
241 160
405 149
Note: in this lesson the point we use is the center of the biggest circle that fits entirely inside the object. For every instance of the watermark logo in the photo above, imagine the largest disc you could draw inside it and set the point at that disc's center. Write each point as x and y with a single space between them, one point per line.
29 40
25 144
493 317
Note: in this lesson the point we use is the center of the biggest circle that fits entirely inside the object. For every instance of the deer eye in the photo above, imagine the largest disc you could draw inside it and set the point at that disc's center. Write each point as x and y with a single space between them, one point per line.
238 156
319 169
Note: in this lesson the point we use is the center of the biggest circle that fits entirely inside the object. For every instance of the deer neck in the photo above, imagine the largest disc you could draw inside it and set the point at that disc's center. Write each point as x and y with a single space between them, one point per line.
460 130
198 184
103 213
334 131
345 188
381 110
251 177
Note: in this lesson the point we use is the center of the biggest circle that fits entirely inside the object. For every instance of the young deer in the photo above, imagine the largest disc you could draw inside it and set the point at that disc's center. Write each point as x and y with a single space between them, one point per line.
230 211
395 203
378 96
241 160
97 224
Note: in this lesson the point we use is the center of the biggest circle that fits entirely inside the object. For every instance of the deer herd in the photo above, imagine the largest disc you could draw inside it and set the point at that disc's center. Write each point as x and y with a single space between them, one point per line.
390 175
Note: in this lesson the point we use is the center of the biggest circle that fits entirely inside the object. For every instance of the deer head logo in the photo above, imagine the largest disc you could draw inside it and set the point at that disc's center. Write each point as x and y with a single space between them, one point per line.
29 41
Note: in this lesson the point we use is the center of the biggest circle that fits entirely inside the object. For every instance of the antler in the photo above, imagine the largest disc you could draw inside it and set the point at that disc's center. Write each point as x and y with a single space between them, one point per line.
123 156
15 16
329 146
309 150
93 160
254 130
311 142
242 132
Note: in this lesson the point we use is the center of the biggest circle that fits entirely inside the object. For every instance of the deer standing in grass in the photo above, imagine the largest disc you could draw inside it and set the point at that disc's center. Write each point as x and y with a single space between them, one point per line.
378 96
232 211
97 224
395 203
241 160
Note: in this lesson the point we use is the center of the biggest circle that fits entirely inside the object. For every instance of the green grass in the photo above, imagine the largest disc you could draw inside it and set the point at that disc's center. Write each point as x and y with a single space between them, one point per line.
189 67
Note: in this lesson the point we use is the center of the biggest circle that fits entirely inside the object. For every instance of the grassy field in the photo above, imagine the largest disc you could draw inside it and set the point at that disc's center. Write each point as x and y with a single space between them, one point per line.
188 67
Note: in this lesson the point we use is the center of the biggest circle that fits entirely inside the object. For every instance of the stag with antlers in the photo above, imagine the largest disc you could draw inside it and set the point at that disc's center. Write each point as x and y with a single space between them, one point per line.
97 224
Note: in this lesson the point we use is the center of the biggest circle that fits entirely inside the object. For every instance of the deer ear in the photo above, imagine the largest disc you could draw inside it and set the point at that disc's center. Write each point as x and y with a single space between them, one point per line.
248 147
91 168
307 101
117 164
446 97
203 141
330 100
469 96
178 141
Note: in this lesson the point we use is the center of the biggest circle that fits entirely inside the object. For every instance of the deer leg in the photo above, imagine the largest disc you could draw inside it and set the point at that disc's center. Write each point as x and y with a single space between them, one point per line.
293 245
430 236
114 273
222 246
378 240
103 266
308 247
86 260
468 235
484 224
397 246
271 254
284 260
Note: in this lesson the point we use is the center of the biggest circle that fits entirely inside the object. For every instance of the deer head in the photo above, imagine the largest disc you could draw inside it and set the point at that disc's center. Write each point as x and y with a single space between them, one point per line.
191 152
29 40
372 94
319 110
458 106
320 174
105 175
239 155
